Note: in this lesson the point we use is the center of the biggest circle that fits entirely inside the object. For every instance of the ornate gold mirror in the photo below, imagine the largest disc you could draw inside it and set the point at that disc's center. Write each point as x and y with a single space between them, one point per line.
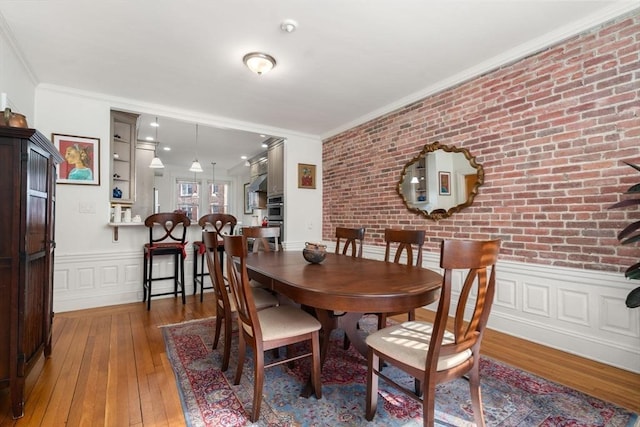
440 181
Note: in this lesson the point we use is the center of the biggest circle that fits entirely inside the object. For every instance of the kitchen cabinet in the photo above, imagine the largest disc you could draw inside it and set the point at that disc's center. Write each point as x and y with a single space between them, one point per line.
275 168
123 161
27 190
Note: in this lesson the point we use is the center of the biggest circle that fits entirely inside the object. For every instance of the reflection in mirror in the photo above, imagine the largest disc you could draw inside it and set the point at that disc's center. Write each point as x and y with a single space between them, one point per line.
440 181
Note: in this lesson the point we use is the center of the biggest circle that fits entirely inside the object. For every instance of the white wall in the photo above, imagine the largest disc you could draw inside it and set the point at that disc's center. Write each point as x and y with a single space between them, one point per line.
16 80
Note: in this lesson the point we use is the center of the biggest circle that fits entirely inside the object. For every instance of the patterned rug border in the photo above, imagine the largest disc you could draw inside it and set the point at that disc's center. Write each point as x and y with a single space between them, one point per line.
278 409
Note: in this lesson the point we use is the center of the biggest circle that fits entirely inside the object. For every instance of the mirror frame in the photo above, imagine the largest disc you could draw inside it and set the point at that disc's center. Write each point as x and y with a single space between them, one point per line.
437 214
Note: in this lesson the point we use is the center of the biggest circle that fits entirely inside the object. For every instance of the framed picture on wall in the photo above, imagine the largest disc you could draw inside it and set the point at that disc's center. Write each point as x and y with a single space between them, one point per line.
306 176
82 159
247 208
444 181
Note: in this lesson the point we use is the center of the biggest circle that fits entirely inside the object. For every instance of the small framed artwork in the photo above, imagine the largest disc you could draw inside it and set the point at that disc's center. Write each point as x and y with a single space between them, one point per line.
82 159
444 180
247 208
306 176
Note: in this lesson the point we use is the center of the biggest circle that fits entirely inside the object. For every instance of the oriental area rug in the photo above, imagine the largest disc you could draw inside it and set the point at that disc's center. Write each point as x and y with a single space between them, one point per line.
511 397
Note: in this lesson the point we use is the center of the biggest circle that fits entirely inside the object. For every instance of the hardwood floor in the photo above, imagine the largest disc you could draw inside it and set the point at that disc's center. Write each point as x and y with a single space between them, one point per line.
109 367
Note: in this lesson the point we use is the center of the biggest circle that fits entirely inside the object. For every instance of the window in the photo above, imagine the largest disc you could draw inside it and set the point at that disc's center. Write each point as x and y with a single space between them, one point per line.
188 198
215 200
218 197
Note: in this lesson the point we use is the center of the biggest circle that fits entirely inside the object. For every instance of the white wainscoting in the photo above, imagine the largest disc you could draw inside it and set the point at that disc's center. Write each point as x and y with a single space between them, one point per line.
578 311
98 280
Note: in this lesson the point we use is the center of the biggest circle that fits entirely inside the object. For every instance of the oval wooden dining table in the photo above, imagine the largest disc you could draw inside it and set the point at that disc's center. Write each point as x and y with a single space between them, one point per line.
346 285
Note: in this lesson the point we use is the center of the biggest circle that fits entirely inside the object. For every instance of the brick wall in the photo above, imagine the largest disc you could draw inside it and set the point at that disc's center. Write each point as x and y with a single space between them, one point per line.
551 132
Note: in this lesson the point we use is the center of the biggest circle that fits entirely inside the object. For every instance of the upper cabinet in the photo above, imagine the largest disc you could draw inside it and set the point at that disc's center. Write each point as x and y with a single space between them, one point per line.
123 157
275 168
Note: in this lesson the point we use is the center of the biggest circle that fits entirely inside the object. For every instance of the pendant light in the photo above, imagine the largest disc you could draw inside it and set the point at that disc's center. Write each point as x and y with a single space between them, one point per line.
156 163
213 179
195 166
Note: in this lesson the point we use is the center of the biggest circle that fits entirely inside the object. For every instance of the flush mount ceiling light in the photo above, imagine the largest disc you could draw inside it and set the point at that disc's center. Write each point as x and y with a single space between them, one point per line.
259 63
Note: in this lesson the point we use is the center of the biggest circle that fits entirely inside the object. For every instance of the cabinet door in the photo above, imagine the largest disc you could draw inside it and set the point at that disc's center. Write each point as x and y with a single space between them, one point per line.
10 232
275 176
36 268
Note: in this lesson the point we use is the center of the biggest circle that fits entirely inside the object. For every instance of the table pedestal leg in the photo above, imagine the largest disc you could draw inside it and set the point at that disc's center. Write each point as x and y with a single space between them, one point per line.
329 321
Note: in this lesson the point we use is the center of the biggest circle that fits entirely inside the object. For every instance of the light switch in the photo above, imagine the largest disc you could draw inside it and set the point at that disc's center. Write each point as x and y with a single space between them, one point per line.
87 207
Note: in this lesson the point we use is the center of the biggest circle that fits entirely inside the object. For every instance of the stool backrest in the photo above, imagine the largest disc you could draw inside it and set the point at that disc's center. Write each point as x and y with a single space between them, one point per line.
220 223
167 227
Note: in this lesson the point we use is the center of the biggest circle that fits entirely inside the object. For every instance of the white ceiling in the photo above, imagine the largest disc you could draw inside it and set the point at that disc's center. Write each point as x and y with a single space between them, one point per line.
348 60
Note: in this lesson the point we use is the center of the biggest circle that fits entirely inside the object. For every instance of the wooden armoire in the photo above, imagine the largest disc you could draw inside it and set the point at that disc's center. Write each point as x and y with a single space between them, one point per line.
27 191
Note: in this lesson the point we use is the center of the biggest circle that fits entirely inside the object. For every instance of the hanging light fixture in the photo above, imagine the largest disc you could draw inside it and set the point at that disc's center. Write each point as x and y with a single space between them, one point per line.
213 179
156 163
258 62
195 166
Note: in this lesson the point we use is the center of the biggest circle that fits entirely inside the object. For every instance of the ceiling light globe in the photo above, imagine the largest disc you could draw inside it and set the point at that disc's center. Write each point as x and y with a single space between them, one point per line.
156 163
195 166
259 63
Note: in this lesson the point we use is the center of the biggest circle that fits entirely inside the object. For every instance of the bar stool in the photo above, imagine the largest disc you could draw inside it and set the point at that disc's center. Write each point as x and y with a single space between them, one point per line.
167 239
221 224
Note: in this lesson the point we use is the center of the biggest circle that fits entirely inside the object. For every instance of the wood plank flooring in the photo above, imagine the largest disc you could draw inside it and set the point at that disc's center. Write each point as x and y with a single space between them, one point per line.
109 368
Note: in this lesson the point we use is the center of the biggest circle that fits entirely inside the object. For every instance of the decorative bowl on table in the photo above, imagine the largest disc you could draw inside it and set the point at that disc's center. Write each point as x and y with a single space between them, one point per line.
314 252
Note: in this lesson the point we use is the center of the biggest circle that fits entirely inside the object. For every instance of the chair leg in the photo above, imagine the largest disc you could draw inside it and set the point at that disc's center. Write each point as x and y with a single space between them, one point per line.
315 355
201 278
372 385
216 335
182 284
476 395
242 354
195 269
382 320
176 272
226 354
144 278
150 282
428 408
258 384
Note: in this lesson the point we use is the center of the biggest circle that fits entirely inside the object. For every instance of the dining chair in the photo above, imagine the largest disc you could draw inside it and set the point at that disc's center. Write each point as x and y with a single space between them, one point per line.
352 240
263 238
406 242
222 224
225 307
428 351
267 329
167 235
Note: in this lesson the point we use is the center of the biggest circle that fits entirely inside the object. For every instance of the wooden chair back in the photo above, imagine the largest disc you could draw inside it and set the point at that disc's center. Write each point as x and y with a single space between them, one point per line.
262 236
213 244
478 258
221 223
352 239
406 242
237 251
167 228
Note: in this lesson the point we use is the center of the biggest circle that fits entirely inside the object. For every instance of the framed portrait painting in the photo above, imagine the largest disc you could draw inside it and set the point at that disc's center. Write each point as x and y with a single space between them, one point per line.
444 181
82 159
306 176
